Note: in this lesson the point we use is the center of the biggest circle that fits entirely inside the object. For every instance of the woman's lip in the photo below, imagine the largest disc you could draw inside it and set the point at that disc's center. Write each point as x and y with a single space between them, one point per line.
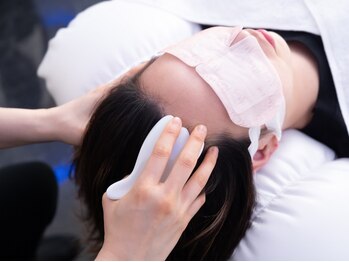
268 37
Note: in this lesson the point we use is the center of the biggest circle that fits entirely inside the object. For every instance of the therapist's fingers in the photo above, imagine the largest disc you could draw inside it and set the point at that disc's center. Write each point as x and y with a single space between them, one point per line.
198 180
161 152
187 160
194 208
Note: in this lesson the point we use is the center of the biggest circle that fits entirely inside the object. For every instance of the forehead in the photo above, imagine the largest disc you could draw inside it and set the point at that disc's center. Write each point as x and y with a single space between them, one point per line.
182 92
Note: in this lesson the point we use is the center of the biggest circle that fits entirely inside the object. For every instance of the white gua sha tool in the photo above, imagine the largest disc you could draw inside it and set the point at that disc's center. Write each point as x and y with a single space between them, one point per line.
122 187
241 76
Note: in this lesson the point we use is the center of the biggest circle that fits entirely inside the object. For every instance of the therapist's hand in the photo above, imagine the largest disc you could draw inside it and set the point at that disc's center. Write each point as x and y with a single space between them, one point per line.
68 121
148 221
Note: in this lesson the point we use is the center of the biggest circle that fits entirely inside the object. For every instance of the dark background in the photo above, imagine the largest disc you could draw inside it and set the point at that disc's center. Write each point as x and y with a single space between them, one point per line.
25 29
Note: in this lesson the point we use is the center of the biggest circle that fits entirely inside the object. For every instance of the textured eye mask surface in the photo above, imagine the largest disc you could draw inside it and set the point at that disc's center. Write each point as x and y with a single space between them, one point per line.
240 74
246 83
205 45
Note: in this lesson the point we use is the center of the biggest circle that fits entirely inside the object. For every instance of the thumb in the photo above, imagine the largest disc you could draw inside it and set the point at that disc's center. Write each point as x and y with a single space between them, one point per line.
107 203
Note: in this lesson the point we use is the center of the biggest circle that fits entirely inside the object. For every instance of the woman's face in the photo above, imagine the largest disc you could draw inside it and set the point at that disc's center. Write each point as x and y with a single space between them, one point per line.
183 93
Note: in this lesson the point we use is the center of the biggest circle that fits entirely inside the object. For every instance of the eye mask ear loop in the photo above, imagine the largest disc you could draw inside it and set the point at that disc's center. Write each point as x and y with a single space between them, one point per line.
274 126
276 123
254 134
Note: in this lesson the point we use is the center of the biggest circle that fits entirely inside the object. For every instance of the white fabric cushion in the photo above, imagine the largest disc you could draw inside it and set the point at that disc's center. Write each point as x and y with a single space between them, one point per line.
105 40
301 208
301 211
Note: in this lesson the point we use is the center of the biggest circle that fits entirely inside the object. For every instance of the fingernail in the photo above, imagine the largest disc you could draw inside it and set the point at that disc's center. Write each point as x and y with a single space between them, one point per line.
202 129
213 150
176 121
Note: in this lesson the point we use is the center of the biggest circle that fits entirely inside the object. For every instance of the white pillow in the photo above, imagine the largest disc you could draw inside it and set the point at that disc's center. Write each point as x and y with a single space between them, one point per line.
301 210
105 40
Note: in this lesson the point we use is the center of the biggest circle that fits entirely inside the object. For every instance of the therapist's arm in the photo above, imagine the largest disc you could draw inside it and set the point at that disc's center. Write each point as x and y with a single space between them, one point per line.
148 221
22 126
65 123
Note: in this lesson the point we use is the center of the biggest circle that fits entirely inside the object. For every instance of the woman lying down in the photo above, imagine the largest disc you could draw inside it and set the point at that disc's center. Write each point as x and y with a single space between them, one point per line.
246 86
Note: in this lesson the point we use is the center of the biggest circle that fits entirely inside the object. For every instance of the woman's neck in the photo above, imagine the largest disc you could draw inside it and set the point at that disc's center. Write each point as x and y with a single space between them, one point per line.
302 98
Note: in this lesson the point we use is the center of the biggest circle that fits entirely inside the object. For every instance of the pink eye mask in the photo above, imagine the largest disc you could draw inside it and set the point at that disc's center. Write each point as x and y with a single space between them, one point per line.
241 76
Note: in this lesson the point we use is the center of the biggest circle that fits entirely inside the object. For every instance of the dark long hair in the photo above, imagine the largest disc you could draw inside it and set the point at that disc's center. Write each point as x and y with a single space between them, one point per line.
108 153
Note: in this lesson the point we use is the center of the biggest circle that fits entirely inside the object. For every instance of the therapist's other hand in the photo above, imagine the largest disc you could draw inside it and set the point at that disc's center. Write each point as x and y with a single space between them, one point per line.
148 221
70 120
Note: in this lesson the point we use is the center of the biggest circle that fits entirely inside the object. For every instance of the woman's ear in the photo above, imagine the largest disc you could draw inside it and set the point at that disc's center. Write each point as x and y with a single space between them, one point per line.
267 146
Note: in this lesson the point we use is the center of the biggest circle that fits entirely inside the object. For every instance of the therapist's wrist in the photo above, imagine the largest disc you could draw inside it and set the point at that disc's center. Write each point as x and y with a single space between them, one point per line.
53 125
49 124
63 125
45 125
